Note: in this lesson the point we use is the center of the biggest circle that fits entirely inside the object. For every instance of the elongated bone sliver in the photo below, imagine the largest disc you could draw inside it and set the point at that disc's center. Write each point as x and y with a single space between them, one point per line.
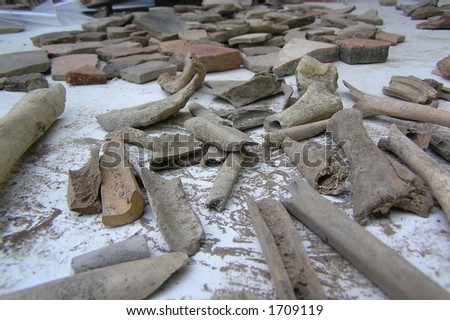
391 272
434 173
132 280
297 133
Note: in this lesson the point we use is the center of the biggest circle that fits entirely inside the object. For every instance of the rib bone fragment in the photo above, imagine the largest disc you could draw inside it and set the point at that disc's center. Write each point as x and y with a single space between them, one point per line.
148 113
391 272
410 89
178 223
84 186
132 280
371 106
378 182
226 178
435 174
324 171
27 121
315 104
302 276
192 66
297 133
222 137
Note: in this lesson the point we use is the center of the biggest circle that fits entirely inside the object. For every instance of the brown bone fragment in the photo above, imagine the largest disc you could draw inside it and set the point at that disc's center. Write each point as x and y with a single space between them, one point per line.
378 183
391 272
435 174
84 186
280 277
321 169
122 200
132 280
371 106
410 89
440 143
148 113
297 133
303 278
226 178
192 66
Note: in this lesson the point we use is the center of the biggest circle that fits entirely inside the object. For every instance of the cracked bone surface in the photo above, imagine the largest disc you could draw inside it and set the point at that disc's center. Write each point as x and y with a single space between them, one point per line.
371 106
378 183
324 171
381 264
314 105
148 113
27 121
435 174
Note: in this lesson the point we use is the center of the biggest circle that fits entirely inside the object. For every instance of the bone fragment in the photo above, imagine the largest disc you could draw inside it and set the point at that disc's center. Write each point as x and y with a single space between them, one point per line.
419 133
179 224
371 106
324 171
391 272
222 137
240 93
26 122
248 117
226 177
315 104
213 157
436 176
83 188
303 278
378 183
297 133
199 111
122 200
132 280
440 143
192 67
133 136
133 248
148 113
310 70
410 89
280 277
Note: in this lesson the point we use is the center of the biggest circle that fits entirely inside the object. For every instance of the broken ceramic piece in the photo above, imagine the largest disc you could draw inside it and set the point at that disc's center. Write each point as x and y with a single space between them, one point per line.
85 75
240 93
361 51
248 117
83 190
148 113
20 63
147 71
357 31
61 65
24 83
443 66
162 25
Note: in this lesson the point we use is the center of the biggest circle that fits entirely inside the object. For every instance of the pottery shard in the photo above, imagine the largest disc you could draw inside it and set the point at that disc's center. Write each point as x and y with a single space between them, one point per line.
83 189
19 63
371 17
55 38
310 70
161 24
85 75
10 27
359 31
91 36
393 38
114 66
214 58
25 83
61 65
295 49
147 71
249 38
133 248
441 22
260 63
101 24
62 49
122 200
444 67
240 93
360 51
113 52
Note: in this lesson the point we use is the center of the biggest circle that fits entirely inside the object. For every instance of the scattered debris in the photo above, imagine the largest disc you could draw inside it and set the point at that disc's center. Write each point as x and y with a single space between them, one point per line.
24 83
85 75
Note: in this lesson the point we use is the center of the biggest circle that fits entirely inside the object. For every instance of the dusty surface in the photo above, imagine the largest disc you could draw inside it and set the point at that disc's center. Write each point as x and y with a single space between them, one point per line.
39 235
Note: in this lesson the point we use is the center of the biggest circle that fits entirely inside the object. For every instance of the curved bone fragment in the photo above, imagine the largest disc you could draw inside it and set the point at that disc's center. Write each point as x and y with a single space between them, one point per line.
378 182
303 278
241 93
411 89
324 171
83 188
222 137
133 136
315 104
310 70
297 133
280 277
436 176
148 113
122 200
226 178
192 66
199 111
132 280
371 106
27 121
387 269
179 224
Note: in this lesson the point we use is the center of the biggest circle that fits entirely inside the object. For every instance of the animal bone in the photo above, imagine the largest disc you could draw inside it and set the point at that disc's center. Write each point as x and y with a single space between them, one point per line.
199 111
297 133
391 272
